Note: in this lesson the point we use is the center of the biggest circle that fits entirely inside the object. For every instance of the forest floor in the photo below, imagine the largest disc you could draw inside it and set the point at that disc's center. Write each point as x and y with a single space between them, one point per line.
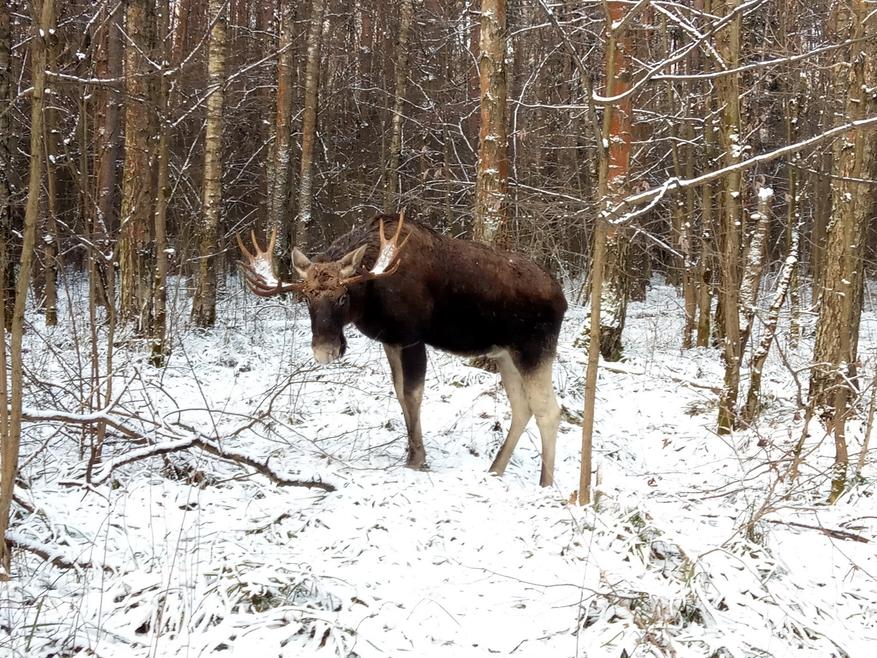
698 546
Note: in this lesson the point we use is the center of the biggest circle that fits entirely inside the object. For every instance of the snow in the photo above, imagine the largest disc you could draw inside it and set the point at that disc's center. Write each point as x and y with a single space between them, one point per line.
691 549
765 193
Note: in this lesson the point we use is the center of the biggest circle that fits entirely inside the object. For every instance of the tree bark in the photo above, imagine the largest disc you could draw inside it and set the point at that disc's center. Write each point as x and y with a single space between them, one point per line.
279 182
10 422
855 158
617 134
491 185
7 255
204 299
309 123
108 149
391 174
730 138
158 344
136 248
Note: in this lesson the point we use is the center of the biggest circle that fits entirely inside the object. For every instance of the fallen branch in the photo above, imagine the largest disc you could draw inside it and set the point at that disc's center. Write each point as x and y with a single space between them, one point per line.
54 554
174 443
836 534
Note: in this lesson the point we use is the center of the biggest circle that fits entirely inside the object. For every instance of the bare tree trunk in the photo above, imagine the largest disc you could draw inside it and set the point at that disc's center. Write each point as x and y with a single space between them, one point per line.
391 175
614 167
309 123
754 262
790 266
204 299
855 157
7 258
136 257
730 140
107 132
158 347
617 133
10 424
49 230
491 185
279 181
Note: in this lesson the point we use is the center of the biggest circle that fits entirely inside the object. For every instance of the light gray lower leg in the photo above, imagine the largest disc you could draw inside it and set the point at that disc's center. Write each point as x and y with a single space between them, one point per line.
514 388
540 394
394 357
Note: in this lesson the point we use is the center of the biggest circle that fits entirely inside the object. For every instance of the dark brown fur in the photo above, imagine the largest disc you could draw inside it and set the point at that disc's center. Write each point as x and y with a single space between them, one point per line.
456 295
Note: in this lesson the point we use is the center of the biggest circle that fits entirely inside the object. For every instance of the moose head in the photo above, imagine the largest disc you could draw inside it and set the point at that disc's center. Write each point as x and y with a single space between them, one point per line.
325 286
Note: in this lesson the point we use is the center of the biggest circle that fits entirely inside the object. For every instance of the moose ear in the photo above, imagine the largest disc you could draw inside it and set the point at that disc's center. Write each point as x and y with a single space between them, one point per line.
350 263
300 262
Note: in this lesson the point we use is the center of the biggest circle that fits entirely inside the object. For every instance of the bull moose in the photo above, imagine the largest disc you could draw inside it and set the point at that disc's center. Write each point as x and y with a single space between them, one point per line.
456 295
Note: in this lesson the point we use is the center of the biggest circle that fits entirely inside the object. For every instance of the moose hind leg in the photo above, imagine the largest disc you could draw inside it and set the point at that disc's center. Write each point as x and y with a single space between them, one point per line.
540 393
408 367
521 414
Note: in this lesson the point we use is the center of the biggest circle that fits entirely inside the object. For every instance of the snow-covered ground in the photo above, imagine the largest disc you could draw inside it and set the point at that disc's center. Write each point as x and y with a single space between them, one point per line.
697 545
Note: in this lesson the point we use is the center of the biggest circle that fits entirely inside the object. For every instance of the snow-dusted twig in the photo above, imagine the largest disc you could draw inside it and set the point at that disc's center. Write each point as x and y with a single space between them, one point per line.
831 532
172 443
52 554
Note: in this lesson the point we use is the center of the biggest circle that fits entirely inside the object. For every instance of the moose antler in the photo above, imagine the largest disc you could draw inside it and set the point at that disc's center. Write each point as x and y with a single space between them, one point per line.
258 269
388 255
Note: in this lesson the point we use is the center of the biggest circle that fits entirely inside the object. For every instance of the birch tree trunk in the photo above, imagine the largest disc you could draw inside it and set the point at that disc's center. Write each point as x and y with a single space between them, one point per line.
491 185
10 419
754 262
136 257
730 137
391 174
750 411
204 299
309 123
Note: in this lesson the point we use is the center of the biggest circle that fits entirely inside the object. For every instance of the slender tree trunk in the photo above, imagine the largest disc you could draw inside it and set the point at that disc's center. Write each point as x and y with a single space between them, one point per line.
158 346
730 140
204 299
790 266
279 181
617 132
7 257
10 422
49 230
309 123
391 175
491 185
613 167
136 248
754 262
108 149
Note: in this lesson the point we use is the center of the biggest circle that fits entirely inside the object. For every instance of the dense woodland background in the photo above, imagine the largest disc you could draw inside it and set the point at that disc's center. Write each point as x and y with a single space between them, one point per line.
728 146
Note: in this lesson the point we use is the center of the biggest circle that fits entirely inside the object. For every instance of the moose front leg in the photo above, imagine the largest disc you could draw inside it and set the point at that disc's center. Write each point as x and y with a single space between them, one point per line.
408 367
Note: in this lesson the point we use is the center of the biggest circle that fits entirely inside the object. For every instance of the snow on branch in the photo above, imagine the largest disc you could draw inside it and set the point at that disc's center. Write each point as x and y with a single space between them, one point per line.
173 442
617 216
53 554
